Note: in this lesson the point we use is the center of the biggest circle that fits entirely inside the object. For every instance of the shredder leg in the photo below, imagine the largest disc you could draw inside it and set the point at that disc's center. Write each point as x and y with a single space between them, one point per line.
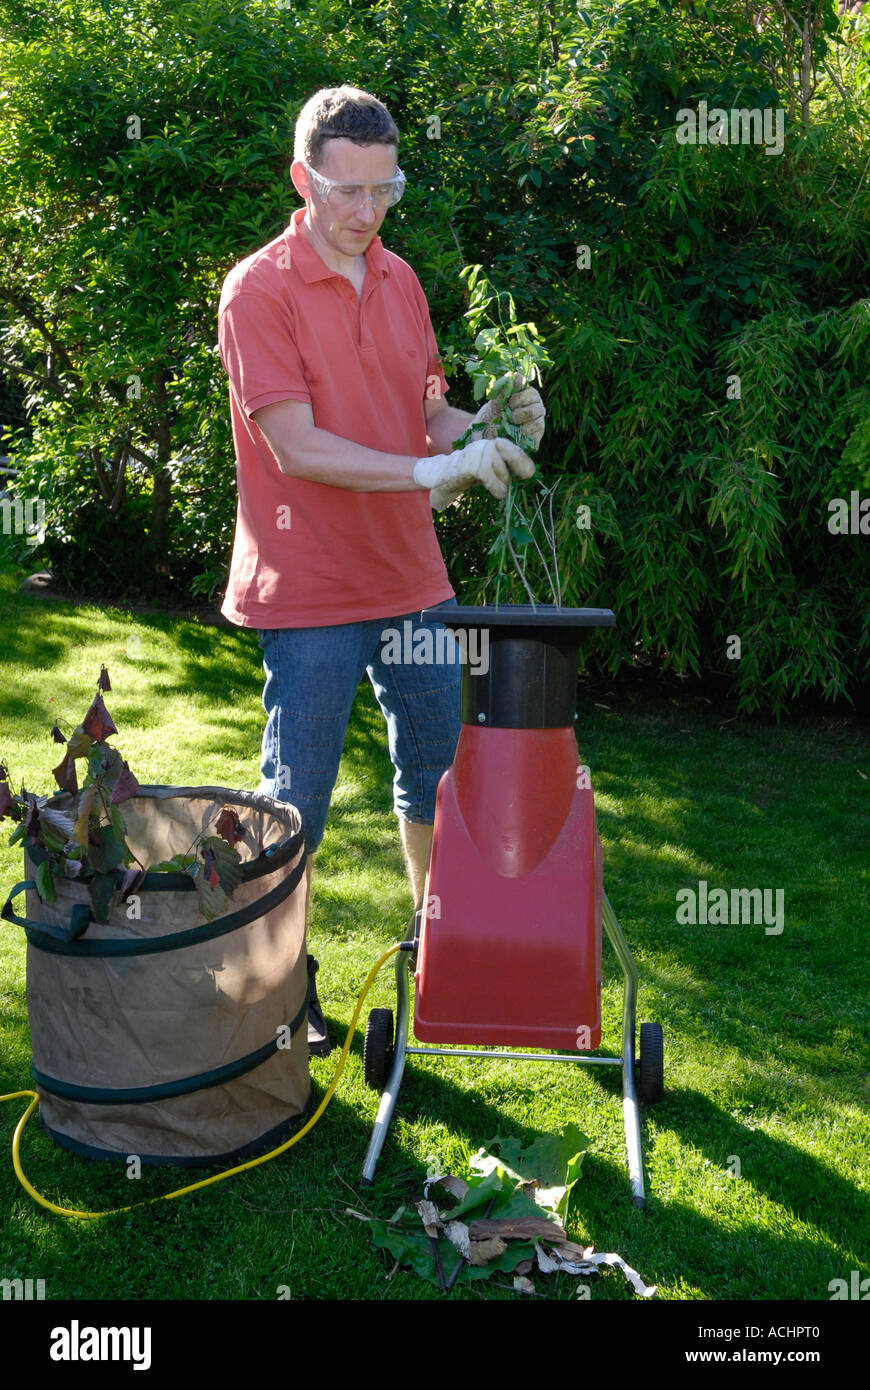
629 1011
390 1093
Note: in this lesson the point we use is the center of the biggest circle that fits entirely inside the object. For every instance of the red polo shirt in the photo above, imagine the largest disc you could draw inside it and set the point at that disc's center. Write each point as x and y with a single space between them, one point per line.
307 554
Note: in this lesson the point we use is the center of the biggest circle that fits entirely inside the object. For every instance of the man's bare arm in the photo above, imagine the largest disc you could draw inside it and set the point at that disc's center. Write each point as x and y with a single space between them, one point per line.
444 424
304 451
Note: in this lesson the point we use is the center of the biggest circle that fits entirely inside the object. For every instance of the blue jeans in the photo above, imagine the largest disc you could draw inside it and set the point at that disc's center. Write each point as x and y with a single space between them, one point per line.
312 674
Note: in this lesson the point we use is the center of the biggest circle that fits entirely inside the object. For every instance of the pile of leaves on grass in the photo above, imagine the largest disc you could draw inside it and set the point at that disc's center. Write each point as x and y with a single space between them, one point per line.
506 1217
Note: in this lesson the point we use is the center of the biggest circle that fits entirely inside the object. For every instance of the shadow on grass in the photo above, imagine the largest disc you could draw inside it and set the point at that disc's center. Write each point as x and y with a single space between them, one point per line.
187 1247
782 1173
753 1261
216 663
673 808
672 1241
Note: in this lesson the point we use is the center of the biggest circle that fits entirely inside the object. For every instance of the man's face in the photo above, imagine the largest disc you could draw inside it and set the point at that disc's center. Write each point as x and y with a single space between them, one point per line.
347 231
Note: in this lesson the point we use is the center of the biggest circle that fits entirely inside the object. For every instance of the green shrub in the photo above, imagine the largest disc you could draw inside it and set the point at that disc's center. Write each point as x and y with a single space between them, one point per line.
706 307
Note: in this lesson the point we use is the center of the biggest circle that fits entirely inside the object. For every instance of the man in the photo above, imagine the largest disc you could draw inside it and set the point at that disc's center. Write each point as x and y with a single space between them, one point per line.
343 446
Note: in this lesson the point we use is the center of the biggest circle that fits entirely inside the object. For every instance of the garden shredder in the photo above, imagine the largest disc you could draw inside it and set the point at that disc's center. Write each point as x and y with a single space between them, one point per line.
506 947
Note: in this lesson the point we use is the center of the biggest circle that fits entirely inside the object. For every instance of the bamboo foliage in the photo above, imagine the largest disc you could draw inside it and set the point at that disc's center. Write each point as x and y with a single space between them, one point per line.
706 305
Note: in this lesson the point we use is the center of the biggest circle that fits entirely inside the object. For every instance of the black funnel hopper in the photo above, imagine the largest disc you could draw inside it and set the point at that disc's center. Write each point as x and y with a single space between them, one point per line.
524 675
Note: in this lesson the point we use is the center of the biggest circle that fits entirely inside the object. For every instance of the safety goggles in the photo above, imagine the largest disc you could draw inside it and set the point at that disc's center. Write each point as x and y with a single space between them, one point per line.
342 197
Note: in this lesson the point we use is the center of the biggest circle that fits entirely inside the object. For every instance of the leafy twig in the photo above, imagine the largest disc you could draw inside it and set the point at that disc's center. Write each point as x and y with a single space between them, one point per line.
133 855
509 356
520 571
529 527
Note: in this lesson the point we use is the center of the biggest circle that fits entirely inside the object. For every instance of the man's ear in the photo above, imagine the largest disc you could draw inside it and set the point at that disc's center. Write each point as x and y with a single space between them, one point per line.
300 179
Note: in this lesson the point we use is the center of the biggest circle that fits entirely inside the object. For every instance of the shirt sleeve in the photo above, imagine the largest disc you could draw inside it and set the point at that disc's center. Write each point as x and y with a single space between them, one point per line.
258 351
436 381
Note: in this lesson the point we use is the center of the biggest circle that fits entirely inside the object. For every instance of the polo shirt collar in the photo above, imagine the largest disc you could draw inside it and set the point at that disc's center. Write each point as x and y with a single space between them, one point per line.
310 265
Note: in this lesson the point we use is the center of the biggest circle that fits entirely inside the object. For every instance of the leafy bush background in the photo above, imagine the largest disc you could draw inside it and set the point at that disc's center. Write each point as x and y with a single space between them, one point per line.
557 131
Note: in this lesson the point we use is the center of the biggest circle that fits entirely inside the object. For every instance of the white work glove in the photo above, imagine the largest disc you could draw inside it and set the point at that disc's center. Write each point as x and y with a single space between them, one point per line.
527 411
526 408
486 461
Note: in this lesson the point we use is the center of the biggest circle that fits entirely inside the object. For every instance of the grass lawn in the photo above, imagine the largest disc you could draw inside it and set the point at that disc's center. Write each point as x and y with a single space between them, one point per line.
766 1048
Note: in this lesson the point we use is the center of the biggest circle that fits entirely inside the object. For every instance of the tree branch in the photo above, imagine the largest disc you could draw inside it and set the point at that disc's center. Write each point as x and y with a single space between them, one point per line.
119 467
38 322
103 482
790 17
551 24
162 432
456 239
836 81
50 381
135 453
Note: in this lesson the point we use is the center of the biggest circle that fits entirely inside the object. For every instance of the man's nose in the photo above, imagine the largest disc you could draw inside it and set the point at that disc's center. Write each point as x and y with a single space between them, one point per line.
366 207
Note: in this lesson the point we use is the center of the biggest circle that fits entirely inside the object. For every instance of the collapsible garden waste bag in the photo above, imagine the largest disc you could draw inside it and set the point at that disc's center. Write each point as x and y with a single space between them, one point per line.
163 1034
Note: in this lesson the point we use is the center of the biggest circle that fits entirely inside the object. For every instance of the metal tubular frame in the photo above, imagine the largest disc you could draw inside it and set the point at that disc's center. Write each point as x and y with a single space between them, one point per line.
631 1119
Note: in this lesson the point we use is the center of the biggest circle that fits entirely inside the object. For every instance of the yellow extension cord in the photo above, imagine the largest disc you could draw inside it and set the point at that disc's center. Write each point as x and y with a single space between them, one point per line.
217 1177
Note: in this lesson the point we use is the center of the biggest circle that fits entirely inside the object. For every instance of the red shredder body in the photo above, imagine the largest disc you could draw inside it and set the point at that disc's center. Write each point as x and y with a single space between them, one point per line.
510 944
506 947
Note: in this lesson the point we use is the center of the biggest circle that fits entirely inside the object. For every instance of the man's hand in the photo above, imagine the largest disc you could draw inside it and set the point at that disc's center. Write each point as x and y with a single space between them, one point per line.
526 408
527 411
487 461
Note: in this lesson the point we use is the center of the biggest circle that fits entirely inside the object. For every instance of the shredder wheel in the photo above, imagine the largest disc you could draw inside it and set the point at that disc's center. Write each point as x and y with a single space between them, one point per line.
378 1048
650 1068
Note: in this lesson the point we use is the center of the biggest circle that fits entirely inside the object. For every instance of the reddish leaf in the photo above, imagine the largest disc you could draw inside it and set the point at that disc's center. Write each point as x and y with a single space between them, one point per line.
211 874
65 775
125 787
225 860
31 819
229 827
6 802
103 683
98 721
57 735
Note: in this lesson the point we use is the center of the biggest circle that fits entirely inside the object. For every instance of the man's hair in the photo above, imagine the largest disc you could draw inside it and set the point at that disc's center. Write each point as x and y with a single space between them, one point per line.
342 113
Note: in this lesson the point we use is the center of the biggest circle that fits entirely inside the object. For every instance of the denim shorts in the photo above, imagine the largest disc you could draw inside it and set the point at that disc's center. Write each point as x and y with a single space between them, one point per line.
312 675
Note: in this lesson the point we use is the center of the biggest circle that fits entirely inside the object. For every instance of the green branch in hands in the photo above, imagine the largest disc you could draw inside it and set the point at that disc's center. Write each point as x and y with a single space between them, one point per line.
508 357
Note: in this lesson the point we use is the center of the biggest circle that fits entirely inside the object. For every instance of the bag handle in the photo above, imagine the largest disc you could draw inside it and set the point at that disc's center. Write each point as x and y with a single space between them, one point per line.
80 917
